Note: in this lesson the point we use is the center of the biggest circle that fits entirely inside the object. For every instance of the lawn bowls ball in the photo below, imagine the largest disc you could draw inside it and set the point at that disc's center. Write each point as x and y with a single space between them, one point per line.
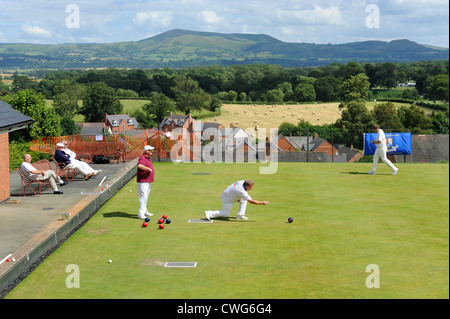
290 219
168 221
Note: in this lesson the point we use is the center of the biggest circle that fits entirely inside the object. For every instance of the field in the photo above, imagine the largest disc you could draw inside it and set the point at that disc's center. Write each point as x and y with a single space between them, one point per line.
272 115
344 220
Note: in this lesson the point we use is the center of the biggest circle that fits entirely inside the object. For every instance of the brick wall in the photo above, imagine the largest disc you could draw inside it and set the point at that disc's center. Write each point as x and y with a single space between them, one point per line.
4 167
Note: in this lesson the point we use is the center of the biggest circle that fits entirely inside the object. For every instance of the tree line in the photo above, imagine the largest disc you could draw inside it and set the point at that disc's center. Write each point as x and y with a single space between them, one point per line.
253 83
93 93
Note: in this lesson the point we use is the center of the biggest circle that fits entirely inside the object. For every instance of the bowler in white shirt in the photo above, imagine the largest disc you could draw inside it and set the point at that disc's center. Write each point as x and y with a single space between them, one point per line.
236 192
381 151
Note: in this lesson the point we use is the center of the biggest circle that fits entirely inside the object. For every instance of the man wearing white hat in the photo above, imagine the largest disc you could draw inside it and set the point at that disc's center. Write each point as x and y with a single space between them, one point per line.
64 160
145 178
73 159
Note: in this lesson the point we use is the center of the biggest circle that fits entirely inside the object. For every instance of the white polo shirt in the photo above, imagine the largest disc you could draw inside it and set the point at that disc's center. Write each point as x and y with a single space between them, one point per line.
72 155
381 137
26 168
234 192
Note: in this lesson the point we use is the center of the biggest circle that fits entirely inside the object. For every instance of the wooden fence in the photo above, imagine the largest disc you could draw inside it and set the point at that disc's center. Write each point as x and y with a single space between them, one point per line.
125 147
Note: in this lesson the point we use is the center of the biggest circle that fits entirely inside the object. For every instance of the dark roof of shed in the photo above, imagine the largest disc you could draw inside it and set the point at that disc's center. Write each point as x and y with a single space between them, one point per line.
10 118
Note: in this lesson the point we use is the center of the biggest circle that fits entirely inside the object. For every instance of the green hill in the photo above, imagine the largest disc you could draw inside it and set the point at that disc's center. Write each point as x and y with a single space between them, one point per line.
182 48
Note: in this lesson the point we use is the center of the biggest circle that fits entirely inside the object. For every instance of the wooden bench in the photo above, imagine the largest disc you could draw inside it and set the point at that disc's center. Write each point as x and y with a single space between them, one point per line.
39 165
63 171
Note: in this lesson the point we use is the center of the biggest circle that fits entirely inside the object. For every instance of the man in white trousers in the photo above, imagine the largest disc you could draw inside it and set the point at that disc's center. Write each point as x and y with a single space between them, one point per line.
380 152
64 161
34 174
236 192
145 178
73 158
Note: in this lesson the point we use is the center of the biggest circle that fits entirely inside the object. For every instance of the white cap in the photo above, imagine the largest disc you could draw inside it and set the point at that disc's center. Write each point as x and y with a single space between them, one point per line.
59 145
148 148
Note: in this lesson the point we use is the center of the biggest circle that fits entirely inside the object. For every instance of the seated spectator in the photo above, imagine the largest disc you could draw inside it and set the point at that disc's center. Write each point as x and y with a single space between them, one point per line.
73 158
64 161
40 175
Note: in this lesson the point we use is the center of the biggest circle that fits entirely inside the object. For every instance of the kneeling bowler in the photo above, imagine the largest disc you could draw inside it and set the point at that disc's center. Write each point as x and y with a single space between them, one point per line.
236 192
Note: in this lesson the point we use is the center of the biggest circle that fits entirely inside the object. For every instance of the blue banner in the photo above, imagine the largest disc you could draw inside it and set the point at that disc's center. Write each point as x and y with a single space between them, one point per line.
397 143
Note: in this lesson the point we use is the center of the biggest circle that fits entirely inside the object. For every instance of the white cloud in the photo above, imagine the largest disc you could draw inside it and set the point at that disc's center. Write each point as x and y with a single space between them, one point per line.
210 17
153 18
317 16
35 31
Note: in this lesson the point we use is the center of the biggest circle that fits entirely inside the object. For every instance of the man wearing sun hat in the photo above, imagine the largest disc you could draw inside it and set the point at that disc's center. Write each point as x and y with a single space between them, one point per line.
145 178
64 161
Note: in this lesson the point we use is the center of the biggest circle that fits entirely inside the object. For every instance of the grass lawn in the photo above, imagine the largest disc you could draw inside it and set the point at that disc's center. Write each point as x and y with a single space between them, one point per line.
344 220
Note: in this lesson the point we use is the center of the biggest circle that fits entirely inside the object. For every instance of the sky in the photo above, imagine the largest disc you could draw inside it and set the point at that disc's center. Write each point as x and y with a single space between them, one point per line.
300 21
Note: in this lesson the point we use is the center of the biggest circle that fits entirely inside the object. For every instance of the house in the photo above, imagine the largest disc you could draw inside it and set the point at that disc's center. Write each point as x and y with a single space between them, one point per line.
320 145
234 138
292 143
94 129
352 155
236 145
174 121
300 143
233 133
229 144
121 123
209 129
10 121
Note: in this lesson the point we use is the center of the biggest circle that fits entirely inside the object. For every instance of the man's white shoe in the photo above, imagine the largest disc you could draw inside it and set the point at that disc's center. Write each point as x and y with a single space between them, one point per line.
241 217
371 173
395 171
208 214
148 214
97 172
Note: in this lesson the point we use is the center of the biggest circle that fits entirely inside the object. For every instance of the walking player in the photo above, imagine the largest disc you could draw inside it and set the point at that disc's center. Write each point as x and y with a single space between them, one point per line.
380 152
236 192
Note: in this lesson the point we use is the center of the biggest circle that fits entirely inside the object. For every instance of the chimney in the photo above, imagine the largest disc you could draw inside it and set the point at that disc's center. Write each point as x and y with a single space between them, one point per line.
231 125
351 147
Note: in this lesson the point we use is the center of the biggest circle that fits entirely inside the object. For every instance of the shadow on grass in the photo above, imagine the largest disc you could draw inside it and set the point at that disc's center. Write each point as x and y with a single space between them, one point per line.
360 173
120 215
354 173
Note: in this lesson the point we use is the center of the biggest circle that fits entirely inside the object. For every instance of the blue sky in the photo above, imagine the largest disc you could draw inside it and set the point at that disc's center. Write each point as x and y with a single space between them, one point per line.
106 21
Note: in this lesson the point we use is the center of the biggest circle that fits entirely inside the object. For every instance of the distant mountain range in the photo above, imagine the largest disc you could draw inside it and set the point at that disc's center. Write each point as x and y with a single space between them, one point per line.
182 48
